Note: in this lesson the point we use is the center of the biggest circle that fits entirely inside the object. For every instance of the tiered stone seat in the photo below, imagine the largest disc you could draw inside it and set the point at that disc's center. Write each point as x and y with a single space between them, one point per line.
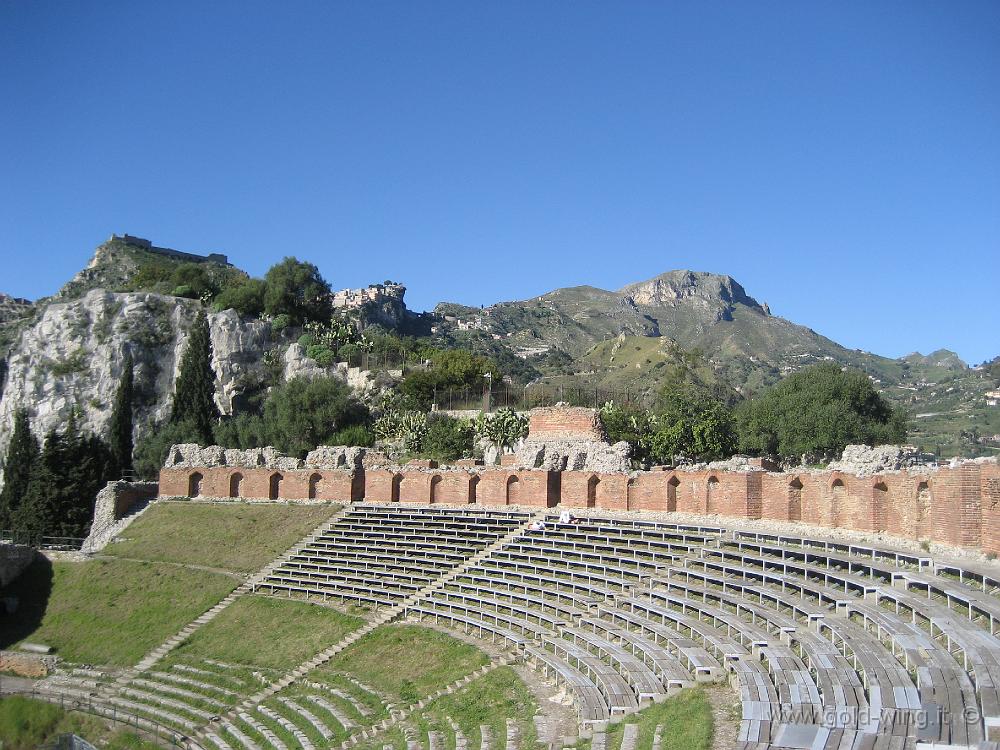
831 645
383 554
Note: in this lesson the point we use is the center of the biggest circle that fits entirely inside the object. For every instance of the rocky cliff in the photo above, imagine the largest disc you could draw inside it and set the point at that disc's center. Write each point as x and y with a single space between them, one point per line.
73 354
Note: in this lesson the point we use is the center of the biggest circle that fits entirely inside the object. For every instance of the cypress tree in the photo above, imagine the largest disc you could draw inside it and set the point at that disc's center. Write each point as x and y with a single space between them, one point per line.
64 482
21 456
121 420
36 515
194 393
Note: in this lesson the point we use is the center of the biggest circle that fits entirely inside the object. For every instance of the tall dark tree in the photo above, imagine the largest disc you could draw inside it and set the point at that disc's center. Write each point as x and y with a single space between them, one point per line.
65 480
121 419
21 456
194 392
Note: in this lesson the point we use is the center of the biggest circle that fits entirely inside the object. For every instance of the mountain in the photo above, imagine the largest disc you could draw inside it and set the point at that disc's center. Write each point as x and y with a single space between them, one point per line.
625 339
66 351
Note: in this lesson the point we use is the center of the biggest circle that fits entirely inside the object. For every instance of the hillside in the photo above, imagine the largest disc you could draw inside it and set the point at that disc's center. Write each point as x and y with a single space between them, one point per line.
623 339
66 351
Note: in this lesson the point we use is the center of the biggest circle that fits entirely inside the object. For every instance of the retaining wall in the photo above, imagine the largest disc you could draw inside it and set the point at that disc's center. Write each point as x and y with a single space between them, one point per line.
958 506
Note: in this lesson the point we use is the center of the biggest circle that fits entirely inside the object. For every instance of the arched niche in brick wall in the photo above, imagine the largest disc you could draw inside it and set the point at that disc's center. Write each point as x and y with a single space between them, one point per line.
314 480
838 503
473 487
712 495
235 484
630 494
194 484
795 500
513 490
672 484
435 489
593 483
880 506
397 482
922 519
274 486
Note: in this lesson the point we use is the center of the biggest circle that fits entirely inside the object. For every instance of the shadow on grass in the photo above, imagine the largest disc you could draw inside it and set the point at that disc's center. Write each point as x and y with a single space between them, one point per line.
28 597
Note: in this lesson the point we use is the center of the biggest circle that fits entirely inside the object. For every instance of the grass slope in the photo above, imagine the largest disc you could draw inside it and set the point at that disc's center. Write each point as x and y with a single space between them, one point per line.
25 724
240 537
686 719
107 611
490 700
267 633
407 661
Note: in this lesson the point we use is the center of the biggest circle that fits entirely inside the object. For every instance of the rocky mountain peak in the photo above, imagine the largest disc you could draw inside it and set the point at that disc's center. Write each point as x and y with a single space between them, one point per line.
674 287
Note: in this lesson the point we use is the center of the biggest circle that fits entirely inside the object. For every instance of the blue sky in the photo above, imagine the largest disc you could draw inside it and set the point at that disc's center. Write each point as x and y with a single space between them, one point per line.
840 160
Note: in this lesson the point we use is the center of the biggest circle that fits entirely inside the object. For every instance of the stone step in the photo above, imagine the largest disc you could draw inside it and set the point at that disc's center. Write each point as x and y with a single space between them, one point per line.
177 679
262 730
630 737
238 735
146 697
216 740
485 737
657 737
160 687
346 721
288 726
308 716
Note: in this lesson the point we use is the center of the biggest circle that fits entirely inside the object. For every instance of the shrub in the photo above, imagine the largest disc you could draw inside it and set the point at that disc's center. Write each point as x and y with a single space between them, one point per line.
356 435
816 410
325 358
184 290
246 298
503 428
281 322
447 438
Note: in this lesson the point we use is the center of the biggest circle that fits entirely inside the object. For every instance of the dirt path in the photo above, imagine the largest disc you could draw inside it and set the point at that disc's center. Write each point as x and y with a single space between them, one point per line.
190 566
725 716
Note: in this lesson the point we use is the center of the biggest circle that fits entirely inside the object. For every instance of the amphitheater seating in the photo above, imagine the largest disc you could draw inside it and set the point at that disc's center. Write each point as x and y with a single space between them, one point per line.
843 645
829 645
381 555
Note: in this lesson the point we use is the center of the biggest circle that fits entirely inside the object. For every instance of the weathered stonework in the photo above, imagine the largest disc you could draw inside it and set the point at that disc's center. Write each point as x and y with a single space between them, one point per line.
957 505
114 510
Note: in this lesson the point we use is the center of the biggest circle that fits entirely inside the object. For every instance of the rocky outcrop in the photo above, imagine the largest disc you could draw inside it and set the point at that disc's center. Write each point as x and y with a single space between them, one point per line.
700 289
72 356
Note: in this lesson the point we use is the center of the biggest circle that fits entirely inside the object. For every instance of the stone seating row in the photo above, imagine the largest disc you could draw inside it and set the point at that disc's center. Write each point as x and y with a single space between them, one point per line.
884 662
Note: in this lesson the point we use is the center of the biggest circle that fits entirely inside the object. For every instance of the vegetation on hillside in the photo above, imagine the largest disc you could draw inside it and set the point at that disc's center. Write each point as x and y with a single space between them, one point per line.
237 538
27 723
818 410
107 611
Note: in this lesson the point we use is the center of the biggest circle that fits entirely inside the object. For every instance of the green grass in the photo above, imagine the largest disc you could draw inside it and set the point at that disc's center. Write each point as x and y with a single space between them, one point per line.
107 611
491 700
407 661
239 537
26 723
267 633
686 719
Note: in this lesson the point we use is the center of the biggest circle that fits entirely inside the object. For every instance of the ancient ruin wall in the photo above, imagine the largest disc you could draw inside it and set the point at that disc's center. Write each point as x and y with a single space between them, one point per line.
955 505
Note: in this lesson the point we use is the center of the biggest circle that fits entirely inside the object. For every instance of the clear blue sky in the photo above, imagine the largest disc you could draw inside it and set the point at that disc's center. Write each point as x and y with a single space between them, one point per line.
840 160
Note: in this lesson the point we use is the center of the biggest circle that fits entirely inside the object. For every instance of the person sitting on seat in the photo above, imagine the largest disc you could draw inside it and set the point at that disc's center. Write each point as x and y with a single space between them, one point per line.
565 517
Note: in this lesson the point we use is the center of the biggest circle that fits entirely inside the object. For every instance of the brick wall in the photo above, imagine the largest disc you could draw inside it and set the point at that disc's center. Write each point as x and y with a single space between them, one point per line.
564 423
262 484
958 506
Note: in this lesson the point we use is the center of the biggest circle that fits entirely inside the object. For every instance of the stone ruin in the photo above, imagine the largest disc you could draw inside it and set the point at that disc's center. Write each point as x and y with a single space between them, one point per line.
565 438
193 456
